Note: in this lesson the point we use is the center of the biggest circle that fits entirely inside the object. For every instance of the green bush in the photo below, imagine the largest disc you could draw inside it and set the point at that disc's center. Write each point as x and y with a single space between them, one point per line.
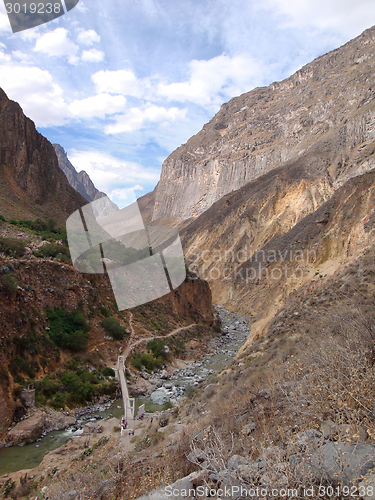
8 284
12 246
45 228
157 347
22 365
113 328
2 218
54 250
68 329
147 360
108 372
58 401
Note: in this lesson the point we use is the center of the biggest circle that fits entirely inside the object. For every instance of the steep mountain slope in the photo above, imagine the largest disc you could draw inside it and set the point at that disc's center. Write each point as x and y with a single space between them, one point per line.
328 105
31 182
81 181
254 254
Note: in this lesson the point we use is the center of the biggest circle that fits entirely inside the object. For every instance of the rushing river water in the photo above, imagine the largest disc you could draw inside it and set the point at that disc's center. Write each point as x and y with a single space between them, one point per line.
224 348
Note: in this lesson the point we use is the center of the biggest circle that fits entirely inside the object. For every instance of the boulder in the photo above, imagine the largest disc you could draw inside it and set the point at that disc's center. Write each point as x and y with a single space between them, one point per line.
160 396
92 428
178 490
335 462
26 432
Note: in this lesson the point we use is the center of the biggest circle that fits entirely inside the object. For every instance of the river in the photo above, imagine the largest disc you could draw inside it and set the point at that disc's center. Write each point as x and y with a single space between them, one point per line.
224 348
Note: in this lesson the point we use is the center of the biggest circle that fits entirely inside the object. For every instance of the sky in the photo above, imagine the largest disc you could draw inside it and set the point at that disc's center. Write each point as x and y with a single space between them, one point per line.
121 84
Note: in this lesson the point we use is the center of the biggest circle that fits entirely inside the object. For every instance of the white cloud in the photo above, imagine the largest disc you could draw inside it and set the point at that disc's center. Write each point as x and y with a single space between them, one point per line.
20 56
92 55
125 196
34 88
139 118
4 21
212 81
119 82
111 174
4 57
341 15
88 37
99 106
57 44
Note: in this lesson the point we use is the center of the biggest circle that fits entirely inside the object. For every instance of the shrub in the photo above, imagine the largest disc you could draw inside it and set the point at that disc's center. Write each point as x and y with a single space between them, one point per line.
157 347
58 401
68 329
54 250
108 372
12 247
21 365
113 328
2 218
8 284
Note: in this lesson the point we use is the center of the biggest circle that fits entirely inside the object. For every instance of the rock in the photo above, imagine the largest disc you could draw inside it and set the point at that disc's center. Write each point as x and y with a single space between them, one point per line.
92 428
27 251
181 487
248 429
197 456
160 397
274 453
164 375
336 462
83 184
329 429
57 421
26 432
235 461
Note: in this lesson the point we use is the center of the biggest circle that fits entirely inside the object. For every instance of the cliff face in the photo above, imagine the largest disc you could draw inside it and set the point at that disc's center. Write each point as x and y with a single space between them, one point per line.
32 183
81 181
328 106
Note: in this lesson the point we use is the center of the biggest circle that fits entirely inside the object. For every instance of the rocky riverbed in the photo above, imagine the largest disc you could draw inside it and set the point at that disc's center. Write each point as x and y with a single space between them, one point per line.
170 385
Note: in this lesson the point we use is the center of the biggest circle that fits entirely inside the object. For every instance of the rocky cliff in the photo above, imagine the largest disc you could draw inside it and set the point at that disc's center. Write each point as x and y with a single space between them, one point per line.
31 182
327 106
81 181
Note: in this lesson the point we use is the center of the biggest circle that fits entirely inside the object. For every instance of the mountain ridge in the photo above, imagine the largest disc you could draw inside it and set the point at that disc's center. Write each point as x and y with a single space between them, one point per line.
31 184
331 100
82 182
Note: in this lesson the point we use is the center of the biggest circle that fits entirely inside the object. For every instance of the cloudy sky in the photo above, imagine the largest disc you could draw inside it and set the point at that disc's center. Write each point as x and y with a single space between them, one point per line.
121 84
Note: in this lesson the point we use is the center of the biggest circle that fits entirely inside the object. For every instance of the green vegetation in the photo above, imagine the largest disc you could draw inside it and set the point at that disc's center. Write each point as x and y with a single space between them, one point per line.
46 229
108 372
103 440
113 328
8 284
153 359
75 385
68 330
12 246
61 252
2 218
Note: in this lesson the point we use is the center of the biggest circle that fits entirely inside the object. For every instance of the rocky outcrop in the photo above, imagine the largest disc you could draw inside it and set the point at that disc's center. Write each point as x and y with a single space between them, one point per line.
32 428
32 182
82 182
327 107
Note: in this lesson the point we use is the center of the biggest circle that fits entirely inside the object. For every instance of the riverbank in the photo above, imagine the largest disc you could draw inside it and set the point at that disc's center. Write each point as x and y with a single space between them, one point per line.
172 383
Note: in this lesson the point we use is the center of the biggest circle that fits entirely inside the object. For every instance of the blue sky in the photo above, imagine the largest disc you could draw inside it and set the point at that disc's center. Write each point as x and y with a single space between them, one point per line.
121 84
